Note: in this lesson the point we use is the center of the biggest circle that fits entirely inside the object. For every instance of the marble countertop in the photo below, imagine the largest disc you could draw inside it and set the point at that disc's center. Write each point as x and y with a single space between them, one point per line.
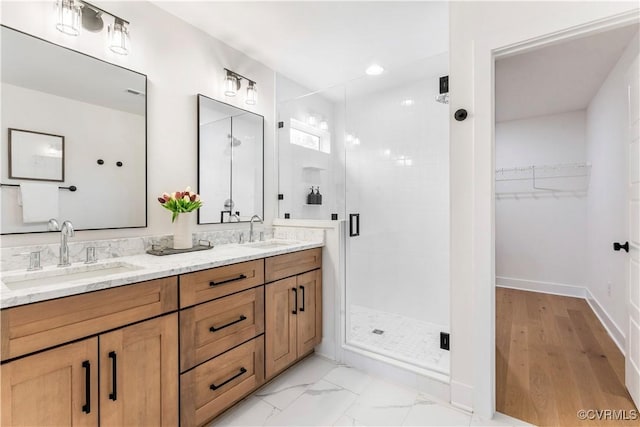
147 266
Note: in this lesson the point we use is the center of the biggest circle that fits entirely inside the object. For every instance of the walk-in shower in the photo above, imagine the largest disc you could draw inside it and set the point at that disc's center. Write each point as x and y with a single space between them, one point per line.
381 162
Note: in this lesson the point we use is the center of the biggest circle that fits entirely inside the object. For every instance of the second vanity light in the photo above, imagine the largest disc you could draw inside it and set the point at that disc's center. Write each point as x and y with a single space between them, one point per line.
232 83
69 19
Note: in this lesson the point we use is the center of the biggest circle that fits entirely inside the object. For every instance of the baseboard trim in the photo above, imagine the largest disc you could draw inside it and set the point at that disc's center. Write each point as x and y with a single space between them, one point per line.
462 396
544 287
610 326
566 290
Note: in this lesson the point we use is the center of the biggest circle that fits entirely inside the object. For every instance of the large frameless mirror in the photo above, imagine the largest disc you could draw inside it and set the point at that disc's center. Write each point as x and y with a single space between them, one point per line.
230 162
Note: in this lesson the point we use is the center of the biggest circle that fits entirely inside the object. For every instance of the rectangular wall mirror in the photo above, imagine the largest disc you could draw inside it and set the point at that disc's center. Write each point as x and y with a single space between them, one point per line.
230 162
76 120
35 155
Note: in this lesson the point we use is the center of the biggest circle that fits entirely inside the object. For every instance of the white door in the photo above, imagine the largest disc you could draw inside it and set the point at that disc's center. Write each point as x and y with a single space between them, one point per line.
632 359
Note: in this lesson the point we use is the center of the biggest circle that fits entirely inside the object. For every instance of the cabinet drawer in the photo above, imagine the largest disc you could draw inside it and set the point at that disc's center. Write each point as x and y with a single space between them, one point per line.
33 327
212 387
218 282
281 266
212 328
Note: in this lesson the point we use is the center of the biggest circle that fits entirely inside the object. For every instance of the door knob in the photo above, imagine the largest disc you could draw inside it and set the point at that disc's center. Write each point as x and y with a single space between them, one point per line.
617 246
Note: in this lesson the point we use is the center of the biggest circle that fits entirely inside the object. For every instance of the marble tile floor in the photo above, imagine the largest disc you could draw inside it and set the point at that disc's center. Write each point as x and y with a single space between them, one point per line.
404 338
318 392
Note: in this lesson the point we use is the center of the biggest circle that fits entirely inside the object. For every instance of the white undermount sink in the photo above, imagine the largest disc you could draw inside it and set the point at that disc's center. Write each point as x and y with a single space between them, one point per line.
271 244
55 275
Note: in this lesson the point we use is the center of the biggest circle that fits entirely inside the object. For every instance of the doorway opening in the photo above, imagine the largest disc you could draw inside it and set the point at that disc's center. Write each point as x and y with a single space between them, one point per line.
564 185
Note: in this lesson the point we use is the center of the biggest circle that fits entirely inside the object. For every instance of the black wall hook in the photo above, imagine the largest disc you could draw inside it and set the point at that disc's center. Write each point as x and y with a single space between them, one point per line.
460 114
617 246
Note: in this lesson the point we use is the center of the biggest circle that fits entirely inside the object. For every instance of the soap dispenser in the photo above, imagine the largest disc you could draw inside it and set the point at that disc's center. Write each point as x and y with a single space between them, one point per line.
311 198
318 196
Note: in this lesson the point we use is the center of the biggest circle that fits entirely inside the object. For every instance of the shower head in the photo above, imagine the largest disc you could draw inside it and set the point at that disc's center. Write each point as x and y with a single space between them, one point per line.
443 98
234 141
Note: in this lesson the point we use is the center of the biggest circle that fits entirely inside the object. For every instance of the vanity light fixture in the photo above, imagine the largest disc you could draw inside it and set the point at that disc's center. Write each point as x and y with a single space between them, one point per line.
252 94
69 20
324 125
119 41
68 16
232 83
312 121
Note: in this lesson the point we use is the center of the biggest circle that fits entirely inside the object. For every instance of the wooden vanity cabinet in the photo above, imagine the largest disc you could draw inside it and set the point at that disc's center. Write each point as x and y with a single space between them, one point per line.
54 388
111 357
293 316
139 374
134 368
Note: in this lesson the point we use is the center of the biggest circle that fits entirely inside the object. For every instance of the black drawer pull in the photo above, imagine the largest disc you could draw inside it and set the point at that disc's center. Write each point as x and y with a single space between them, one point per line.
214 329
215 387
86 408
240 277
302 308
295 298
114 385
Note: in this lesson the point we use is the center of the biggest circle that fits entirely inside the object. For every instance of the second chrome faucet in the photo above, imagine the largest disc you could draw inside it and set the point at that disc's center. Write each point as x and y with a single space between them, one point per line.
66 231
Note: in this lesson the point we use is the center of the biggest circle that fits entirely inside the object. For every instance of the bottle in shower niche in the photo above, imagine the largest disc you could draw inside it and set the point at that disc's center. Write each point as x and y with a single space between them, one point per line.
318 196
311 198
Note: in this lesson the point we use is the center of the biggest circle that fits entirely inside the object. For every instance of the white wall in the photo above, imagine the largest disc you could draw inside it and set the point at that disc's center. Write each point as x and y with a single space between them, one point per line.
180 62
88 137
541 236
607 142
477 29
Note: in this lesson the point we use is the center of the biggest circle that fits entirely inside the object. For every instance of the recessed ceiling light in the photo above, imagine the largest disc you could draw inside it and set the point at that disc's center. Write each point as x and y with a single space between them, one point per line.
374 70
407 102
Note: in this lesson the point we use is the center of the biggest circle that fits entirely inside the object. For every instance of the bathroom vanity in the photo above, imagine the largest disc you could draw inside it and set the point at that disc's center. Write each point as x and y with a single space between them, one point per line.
180 347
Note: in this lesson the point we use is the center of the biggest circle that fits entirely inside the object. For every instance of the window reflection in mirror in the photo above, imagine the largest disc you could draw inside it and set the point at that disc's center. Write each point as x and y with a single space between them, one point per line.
98 109
230 162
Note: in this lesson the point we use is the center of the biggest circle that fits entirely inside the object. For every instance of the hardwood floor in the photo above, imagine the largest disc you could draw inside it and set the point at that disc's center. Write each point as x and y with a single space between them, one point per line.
554 358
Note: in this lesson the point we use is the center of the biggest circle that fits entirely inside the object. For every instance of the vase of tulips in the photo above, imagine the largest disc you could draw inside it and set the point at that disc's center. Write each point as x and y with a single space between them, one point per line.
181 203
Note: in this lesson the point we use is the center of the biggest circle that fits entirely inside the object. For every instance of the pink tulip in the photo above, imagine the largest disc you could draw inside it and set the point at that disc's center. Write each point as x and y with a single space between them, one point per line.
193 198
161 200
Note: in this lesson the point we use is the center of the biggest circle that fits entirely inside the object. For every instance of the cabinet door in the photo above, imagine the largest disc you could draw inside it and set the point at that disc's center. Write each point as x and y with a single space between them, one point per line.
139 374
309 311
57 387
280 325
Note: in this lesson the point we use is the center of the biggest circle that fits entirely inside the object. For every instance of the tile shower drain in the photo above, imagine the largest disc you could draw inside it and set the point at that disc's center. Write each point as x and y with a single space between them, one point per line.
378 331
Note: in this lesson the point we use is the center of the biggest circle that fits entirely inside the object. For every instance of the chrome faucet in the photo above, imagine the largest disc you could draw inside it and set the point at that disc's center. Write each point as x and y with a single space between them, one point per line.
251 226
66 231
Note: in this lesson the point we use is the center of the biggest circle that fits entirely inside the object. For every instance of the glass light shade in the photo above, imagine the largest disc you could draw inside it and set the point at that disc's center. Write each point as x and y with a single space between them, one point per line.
252 94
230 85
119 41
312 120
324 125
68 15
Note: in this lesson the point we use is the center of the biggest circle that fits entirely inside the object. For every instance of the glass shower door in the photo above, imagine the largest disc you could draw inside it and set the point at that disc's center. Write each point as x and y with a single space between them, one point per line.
397 207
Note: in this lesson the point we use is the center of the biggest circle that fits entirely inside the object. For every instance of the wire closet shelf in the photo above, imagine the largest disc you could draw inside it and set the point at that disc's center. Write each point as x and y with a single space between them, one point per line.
561 177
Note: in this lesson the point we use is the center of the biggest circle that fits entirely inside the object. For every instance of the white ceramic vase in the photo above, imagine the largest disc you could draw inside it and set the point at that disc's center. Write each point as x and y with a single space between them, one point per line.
183 231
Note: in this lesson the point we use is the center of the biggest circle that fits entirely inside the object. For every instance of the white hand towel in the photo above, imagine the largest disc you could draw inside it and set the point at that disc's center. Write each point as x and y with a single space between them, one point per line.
39 201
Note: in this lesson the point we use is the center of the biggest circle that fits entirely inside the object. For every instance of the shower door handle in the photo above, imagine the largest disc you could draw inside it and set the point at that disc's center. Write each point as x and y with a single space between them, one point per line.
354 225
